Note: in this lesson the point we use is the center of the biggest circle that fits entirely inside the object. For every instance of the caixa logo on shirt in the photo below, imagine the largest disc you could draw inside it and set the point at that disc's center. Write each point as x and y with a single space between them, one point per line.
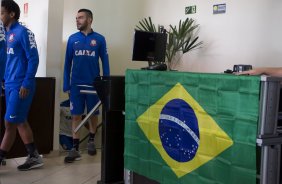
85 53
31 39
10 51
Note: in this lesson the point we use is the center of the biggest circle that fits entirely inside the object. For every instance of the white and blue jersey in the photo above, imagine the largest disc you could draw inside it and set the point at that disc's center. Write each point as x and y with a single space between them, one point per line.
21 67
2 52
82 59
22 57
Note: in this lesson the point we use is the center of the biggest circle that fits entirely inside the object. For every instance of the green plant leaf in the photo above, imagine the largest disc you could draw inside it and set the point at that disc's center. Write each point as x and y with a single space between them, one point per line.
191 45
146 25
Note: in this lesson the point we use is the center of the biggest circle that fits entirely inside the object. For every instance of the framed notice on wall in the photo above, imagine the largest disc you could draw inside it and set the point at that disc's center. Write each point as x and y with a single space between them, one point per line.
219 8
25 9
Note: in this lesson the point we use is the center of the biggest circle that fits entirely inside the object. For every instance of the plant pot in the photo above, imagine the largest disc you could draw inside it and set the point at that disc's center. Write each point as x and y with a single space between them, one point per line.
175 62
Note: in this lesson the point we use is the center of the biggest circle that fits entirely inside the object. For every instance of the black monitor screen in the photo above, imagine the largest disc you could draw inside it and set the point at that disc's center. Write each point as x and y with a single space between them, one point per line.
149 46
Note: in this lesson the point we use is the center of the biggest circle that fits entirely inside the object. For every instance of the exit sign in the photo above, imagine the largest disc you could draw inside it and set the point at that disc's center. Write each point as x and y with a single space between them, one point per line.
190 9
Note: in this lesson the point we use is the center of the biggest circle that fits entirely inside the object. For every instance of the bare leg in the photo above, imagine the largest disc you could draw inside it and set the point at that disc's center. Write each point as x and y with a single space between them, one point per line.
33 160
93 124
92 129
9 136
76 119
25 133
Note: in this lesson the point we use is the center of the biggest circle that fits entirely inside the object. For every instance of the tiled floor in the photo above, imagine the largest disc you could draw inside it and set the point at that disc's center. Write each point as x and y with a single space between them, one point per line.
55 171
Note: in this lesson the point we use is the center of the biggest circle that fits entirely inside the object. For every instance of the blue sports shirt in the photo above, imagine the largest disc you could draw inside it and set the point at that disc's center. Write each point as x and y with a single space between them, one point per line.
82 59
2 52
22 57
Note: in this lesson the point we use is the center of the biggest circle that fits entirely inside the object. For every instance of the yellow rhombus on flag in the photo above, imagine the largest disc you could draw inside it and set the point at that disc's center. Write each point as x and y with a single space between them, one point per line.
209 142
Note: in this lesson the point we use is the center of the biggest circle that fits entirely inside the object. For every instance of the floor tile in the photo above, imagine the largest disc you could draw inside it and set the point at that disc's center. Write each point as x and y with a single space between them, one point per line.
54 171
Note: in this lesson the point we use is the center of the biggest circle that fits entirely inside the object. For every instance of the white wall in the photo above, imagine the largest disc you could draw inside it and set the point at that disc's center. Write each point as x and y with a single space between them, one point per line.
54 55
36 21
247 34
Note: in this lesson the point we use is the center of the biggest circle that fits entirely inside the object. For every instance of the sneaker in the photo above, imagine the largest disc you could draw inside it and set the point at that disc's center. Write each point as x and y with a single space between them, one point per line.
91 148
31 163
2 161
72 156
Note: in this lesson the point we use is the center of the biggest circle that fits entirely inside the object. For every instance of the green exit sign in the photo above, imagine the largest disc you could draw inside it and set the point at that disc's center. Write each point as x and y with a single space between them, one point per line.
190 9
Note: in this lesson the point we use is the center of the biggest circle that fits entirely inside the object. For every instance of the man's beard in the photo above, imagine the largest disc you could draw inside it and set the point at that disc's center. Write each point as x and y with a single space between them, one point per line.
81 27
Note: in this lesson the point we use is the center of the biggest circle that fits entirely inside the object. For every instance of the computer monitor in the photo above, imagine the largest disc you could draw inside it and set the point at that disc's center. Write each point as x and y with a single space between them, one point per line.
149 46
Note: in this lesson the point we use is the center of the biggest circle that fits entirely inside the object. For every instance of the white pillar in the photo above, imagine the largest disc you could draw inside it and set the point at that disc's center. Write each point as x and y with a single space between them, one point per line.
54 56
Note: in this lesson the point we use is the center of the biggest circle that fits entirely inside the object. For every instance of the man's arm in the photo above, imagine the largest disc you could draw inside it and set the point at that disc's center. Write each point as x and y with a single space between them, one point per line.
104 58
30 48
277 72
68 65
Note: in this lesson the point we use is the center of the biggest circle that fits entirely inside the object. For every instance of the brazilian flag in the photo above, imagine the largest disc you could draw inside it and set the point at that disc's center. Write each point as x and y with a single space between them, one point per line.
191 127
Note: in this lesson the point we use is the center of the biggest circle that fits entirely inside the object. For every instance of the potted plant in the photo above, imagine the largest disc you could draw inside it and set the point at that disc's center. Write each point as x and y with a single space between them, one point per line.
181 38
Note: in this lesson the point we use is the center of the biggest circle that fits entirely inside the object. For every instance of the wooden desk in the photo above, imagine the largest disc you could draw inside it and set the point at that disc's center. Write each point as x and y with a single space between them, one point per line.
41 118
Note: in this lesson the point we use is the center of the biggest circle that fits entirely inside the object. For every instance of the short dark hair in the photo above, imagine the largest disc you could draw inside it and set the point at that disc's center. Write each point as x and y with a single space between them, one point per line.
88 12
11 6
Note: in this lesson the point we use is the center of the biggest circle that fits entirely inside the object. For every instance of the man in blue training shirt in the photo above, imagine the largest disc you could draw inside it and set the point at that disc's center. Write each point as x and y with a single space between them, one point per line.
21 67
84 49
2 54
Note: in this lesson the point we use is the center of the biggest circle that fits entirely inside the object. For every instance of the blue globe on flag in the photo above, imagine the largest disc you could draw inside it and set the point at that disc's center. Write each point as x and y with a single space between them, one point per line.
179 130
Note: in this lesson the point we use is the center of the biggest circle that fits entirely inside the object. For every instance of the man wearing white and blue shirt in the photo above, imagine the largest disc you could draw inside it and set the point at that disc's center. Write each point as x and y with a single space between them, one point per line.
21 67
2 53
84 49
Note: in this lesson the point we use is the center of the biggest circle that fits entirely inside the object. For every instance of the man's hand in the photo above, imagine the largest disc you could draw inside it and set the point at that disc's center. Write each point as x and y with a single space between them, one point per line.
23 92
68 92
258 71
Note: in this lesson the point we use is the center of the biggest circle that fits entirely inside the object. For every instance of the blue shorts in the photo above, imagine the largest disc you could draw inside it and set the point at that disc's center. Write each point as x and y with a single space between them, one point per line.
17 108
78 100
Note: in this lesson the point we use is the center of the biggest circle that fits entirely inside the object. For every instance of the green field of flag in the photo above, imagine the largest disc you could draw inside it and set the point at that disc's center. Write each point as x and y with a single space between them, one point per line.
191 127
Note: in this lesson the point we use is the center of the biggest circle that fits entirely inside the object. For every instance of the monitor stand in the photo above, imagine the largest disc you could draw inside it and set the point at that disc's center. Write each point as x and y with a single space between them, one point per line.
157 66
